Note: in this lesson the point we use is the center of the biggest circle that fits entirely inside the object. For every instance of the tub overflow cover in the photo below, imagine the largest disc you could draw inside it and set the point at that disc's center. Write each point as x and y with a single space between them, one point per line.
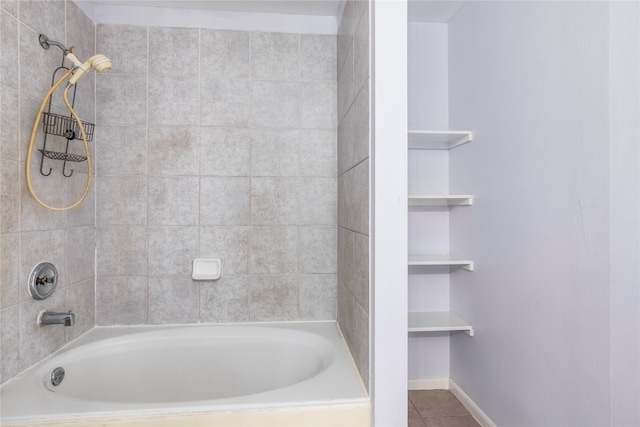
57 376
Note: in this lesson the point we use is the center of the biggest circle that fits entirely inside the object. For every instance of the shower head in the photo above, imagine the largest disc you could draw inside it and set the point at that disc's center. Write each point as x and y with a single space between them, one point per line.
98 62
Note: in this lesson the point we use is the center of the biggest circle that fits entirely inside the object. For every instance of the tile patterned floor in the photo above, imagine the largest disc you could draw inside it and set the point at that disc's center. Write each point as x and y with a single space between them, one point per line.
437 408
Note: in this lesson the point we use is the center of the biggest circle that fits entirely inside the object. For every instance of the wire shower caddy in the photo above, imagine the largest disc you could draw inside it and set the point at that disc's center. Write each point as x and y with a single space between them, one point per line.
61 125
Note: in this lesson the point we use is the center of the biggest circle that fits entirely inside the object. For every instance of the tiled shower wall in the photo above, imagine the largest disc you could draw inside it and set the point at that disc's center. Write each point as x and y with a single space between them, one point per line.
353 181
30 234
216 144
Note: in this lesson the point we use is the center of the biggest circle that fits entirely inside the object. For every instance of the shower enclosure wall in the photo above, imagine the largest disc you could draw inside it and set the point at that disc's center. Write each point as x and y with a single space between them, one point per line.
229 151
29 233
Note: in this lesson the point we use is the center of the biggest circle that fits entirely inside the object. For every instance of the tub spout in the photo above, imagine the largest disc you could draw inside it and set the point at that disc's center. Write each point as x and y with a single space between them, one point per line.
50 318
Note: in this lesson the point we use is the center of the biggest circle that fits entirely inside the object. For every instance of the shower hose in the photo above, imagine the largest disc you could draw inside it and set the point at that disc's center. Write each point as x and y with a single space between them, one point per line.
33 137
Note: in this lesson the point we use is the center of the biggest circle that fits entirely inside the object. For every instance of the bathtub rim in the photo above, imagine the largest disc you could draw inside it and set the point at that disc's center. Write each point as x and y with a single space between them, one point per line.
326 329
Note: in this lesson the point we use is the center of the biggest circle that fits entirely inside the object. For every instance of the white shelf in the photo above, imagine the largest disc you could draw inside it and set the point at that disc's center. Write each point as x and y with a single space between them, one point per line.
444 321
440 200
441 259
438 140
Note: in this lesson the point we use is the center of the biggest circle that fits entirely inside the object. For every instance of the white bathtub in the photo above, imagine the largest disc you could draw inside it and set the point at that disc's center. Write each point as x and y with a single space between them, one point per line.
276 374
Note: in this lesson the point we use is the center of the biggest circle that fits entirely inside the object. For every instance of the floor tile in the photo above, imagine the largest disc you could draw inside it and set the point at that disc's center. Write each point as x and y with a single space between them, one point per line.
414 417
467 421
437 403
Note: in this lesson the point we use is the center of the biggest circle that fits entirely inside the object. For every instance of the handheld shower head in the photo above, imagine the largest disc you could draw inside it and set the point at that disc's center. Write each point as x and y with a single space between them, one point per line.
99 62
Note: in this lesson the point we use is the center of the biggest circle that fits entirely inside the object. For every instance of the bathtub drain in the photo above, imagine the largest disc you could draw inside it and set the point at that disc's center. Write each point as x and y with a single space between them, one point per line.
57 376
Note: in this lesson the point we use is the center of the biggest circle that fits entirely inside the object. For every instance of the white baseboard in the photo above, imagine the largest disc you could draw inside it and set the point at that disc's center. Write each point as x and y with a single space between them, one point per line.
473 409
429 384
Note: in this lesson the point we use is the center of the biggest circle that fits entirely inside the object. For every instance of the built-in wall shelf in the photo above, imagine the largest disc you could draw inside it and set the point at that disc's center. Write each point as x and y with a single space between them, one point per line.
441 260
440 200
438 140
438 321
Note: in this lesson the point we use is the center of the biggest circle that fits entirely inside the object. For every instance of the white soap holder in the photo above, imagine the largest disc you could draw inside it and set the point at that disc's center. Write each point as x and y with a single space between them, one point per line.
206 269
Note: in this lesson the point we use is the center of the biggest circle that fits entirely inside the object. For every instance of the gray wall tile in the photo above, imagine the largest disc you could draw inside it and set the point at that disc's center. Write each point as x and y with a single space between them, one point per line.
361 48
273 298
51 22
83 215
274 201
318 296
81 299
225 54
122 251
10 44
173 300
121 100
353 264
318 201
125 45
172 250
274 56
121 150
346 92
81 245
122 200
9 342
224 102
318 105
318 153
353 182
36 65
121 300
37 342
10 6
225 300
317 57
9 196
173 200
345 35
225 152
173 101
173 150
224 201
173 51
230 244
353 199
275 153
273 250
9 146
317 251
9 270
274 104
35 233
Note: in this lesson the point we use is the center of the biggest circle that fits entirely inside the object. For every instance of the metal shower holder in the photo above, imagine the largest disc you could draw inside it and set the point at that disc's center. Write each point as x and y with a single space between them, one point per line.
61 125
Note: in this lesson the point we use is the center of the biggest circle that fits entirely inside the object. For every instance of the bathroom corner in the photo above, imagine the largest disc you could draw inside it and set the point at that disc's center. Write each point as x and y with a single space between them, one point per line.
29 233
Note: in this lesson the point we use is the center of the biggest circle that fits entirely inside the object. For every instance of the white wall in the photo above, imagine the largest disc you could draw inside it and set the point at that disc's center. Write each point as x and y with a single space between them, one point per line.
531 80
389 214
104 13
624 211
428 173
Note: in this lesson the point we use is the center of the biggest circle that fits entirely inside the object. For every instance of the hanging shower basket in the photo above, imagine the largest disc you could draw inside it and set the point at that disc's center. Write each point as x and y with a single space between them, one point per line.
64 126
56 124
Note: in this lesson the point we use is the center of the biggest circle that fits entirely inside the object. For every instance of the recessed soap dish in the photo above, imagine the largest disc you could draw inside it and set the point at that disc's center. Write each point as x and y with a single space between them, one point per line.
206 269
